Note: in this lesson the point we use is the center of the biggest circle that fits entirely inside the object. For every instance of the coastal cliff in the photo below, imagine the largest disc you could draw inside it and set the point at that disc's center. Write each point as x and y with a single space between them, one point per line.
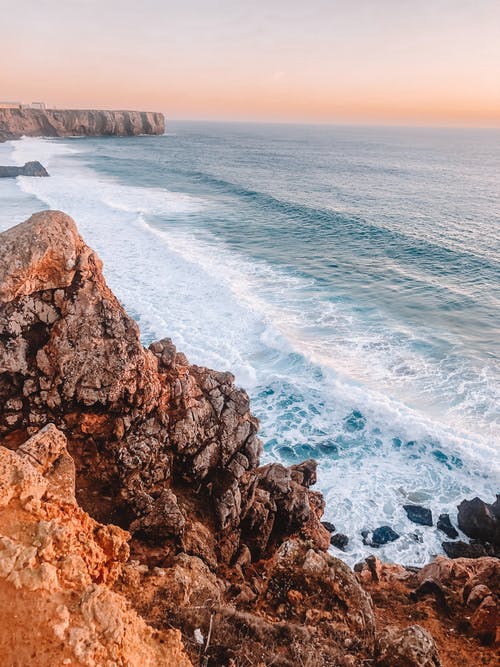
136 511
15 123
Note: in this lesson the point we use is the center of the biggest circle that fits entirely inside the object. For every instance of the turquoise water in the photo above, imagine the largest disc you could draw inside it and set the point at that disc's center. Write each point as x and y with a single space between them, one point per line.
349 277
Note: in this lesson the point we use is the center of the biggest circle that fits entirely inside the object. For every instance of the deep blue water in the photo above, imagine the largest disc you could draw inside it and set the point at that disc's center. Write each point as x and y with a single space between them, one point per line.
349 277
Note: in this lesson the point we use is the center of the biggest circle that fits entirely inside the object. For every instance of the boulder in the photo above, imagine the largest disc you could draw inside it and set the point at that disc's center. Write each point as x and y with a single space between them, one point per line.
329 526
339 540
480 520
380 536
474 549
444 524
419 514
408 647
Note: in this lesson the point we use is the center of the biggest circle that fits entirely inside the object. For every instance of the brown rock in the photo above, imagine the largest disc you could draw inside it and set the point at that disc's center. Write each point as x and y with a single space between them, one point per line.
56 568
411 647
70 354
480 520
15 123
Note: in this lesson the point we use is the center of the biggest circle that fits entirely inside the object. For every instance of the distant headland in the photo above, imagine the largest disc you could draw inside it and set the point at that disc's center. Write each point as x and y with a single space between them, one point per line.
17 120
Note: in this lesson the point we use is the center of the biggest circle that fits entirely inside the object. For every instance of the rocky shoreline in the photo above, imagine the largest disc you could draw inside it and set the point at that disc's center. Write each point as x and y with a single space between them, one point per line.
16 123
139 528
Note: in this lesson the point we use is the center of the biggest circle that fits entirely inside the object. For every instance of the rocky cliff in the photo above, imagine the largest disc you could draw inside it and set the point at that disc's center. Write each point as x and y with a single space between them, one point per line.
134 502
15 123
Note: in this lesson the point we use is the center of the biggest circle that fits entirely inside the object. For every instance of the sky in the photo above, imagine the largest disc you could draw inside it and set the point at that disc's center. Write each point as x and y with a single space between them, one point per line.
431 62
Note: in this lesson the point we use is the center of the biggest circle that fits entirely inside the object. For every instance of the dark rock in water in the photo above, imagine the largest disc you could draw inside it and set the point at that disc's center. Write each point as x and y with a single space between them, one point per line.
480 520
29 169
473 550
380 536
329 526
444 524
339 540
384 534
419 514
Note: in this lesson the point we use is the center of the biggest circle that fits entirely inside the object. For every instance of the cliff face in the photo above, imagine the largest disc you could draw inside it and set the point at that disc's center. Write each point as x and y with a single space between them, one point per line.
95 430
57 568
15 123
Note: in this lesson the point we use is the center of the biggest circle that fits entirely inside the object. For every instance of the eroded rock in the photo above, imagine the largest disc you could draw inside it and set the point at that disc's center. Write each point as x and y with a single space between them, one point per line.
57 566
409 647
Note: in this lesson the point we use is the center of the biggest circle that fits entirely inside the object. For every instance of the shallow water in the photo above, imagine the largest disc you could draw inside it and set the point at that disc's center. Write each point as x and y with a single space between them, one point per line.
349 277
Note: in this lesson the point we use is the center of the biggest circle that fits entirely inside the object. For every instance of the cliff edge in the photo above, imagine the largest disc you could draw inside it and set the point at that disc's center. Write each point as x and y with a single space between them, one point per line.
15 123
135 507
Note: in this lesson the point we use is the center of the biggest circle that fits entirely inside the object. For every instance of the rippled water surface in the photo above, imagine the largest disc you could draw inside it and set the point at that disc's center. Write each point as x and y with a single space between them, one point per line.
349 277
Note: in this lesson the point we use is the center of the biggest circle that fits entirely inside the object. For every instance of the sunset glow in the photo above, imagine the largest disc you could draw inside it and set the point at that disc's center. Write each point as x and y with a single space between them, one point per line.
322 61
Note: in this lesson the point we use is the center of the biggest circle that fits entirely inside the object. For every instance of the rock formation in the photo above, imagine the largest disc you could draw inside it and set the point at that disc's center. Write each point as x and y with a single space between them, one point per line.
108 448
15 123
57 568
29 169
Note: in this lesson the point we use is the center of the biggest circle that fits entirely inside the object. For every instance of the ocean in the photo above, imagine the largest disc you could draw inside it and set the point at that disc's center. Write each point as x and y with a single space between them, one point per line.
349 277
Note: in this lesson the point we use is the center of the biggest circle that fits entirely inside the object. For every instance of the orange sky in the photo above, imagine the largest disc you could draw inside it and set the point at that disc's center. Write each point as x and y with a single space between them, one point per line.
380 61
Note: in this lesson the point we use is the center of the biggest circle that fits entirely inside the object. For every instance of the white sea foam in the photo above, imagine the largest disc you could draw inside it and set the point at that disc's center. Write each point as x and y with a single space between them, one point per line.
316 359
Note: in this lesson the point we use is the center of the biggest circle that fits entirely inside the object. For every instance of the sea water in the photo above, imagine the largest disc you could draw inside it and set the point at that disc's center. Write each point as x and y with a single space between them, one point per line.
349 277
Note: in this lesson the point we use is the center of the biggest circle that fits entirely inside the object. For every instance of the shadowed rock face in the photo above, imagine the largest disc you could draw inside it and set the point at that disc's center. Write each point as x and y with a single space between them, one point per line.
29 169
15 123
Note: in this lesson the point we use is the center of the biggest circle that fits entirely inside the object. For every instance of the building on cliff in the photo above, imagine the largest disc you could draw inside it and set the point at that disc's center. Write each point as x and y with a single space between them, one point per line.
10 105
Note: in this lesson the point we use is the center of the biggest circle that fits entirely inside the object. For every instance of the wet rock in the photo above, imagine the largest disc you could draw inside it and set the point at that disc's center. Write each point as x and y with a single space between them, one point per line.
329 526
444 524
480 520
339 540
461 549
380 536
419 514
409 647
29 169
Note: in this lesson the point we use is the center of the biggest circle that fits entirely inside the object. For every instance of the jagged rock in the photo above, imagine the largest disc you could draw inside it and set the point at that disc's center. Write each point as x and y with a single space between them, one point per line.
419 514
29 169
56 569
380 536
296 573
339 540
70 354
445 525
474 549
470 585
162 516
329 526
480 520
410 647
